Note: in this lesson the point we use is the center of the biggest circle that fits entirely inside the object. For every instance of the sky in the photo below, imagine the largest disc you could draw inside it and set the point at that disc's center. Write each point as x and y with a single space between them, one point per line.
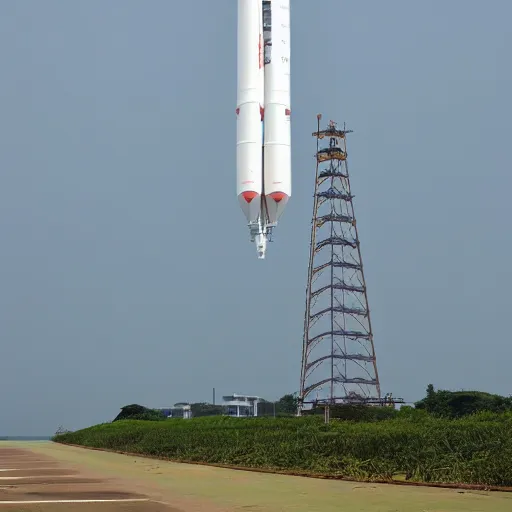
126 271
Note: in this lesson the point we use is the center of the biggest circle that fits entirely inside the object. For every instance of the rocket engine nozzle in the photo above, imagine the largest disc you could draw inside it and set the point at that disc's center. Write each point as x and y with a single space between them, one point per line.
261 245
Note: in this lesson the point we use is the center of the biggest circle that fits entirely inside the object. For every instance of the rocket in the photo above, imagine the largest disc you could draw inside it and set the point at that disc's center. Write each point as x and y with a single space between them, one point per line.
263 146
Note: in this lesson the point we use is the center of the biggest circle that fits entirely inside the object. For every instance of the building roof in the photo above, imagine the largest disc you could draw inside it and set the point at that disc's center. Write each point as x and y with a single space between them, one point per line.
240 398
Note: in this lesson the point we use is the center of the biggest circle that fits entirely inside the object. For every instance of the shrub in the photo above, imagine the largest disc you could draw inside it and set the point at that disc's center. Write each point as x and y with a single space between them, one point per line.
138 412
476 450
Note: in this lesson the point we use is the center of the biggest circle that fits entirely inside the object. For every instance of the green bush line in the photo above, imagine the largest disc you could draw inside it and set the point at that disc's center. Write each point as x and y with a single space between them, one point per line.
474 450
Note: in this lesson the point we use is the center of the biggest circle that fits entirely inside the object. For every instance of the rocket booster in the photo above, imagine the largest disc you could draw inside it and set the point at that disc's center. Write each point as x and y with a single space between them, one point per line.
263 149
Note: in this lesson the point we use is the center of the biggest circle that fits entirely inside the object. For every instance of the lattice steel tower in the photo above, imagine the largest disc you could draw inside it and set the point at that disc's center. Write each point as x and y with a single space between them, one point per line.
338 356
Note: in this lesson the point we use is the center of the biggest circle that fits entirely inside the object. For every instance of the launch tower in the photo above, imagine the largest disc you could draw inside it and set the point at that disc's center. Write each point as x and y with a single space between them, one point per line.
338 356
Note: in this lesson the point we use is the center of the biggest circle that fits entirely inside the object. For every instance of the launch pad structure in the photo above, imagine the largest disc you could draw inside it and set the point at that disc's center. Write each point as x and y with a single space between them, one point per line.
338 356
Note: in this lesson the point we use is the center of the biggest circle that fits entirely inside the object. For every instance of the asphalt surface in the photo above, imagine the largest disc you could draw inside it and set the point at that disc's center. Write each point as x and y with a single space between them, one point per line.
34 482
48 477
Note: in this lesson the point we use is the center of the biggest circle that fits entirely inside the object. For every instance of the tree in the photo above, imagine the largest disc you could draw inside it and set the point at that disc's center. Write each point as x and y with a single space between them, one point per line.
455 404
430 401
61 430
139 412
287 404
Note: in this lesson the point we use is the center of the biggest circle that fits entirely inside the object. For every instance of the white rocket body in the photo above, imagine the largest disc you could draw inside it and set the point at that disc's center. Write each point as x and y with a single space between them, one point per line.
263 115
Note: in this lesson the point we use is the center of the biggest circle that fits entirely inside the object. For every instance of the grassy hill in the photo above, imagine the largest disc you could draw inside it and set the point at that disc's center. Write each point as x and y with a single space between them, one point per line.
413 446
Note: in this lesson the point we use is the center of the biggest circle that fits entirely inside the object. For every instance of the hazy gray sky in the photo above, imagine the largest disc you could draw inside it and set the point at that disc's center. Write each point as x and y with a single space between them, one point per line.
126 271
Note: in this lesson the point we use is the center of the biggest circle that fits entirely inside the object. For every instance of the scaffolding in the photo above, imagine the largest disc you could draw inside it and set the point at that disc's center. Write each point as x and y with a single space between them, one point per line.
338 357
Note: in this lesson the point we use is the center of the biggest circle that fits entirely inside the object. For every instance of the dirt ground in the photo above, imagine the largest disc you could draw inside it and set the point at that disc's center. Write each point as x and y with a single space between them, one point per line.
77 473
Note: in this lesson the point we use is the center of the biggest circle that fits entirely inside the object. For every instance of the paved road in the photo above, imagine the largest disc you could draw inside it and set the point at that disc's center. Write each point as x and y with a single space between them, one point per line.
35 481
48 471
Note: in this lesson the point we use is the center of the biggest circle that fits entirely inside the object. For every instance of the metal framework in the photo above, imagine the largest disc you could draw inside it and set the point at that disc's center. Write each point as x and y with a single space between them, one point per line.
338 357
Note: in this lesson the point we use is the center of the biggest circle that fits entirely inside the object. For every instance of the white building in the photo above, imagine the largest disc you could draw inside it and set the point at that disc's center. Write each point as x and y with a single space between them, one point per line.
179 410
241 406
185 408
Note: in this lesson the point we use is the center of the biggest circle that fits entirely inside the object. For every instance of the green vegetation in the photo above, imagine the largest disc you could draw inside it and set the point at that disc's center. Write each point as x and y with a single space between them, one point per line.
441 403
475 450
456 404
456 437
285 406
360 413
138 412
204 409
